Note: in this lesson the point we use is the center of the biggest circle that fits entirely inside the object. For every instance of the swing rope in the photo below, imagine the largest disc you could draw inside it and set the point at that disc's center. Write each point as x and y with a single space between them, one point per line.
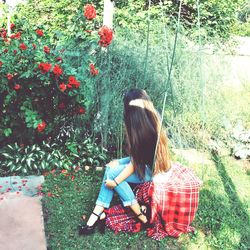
147 45
168 81
202 85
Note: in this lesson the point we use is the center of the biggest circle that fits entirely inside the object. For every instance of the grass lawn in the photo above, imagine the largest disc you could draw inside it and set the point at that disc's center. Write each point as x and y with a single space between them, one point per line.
222 221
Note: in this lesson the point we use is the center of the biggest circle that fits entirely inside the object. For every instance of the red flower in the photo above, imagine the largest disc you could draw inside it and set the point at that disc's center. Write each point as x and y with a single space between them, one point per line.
3 33
106 36
93 70
23 46
46 49
34 46
81 110
16 36
72 177
64 171
59 59
41 126
12 26
77 168
5 51
45 67
39 32
57 70
15 51
17 87
89 11
62 87
1 186
9 76
62 104
73 83
1 63
49 194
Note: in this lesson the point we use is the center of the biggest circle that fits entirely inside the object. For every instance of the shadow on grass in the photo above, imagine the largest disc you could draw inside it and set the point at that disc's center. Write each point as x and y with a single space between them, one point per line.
219 213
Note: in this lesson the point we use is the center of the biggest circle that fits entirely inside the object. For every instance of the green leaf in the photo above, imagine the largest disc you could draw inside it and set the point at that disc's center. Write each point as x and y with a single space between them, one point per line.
9 146
90 160
18 167
76 155
43 165
12 169
9 163
7 132
28 161
7 156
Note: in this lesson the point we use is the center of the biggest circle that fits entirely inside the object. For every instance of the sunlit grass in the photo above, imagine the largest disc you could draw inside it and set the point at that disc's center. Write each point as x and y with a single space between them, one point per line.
222 220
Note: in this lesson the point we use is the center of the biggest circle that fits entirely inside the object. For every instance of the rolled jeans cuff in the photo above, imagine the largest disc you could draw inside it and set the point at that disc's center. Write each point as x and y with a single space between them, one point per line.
129 203
102 204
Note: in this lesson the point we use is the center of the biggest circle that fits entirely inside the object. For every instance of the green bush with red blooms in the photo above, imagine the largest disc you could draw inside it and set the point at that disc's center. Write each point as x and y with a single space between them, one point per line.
38 86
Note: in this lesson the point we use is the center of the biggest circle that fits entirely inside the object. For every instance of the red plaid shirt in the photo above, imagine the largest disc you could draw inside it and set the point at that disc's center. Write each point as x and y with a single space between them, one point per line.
174 202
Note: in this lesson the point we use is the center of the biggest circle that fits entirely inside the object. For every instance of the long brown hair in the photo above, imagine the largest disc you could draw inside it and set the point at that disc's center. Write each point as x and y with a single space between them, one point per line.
143 125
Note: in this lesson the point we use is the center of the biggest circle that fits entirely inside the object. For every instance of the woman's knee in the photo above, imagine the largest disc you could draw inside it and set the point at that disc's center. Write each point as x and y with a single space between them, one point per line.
111 172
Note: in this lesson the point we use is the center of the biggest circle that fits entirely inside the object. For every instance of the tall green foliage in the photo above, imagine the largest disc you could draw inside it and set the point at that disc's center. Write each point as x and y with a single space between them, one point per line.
128 62
62 21
217 17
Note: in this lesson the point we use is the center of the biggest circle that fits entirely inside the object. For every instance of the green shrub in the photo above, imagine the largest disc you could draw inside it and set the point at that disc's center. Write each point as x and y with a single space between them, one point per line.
37 159
62 20
31 159
43 86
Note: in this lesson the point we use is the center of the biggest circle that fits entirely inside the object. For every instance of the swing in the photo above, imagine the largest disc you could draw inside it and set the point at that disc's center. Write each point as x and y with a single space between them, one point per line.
172 196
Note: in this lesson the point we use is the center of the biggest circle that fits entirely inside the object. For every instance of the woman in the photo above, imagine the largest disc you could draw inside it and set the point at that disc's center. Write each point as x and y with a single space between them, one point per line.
143 125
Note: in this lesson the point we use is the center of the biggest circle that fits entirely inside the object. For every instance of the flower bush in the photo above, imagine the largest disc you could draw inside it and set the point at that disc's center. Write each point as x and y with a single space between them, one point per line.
39 87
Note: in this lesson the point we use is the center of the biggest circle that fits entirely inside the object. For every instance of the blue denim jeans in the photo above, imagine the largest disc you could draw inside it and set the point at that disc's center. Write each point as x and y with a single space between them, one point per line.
123 189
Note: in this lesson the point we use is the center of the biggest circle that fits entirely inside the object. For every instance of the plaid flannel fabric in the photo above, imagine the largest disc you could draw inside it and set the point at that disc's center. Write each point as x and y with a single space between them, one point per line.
174 202
119 218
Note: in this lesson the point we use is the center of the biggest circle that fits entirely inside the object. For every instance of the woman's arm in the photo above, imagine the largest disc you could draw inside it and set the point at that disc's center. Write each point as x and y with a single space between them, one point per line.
126 172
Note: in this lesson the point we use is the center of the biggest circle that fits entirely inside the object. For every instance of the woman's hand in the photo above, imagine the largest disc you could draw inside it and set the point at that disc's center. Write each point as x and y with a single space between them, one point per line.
110 184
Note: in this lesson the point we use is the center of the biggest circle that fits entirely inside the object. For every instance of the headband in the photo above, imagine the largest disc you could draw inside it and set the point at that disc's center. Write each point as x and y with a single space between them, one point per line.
137 103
